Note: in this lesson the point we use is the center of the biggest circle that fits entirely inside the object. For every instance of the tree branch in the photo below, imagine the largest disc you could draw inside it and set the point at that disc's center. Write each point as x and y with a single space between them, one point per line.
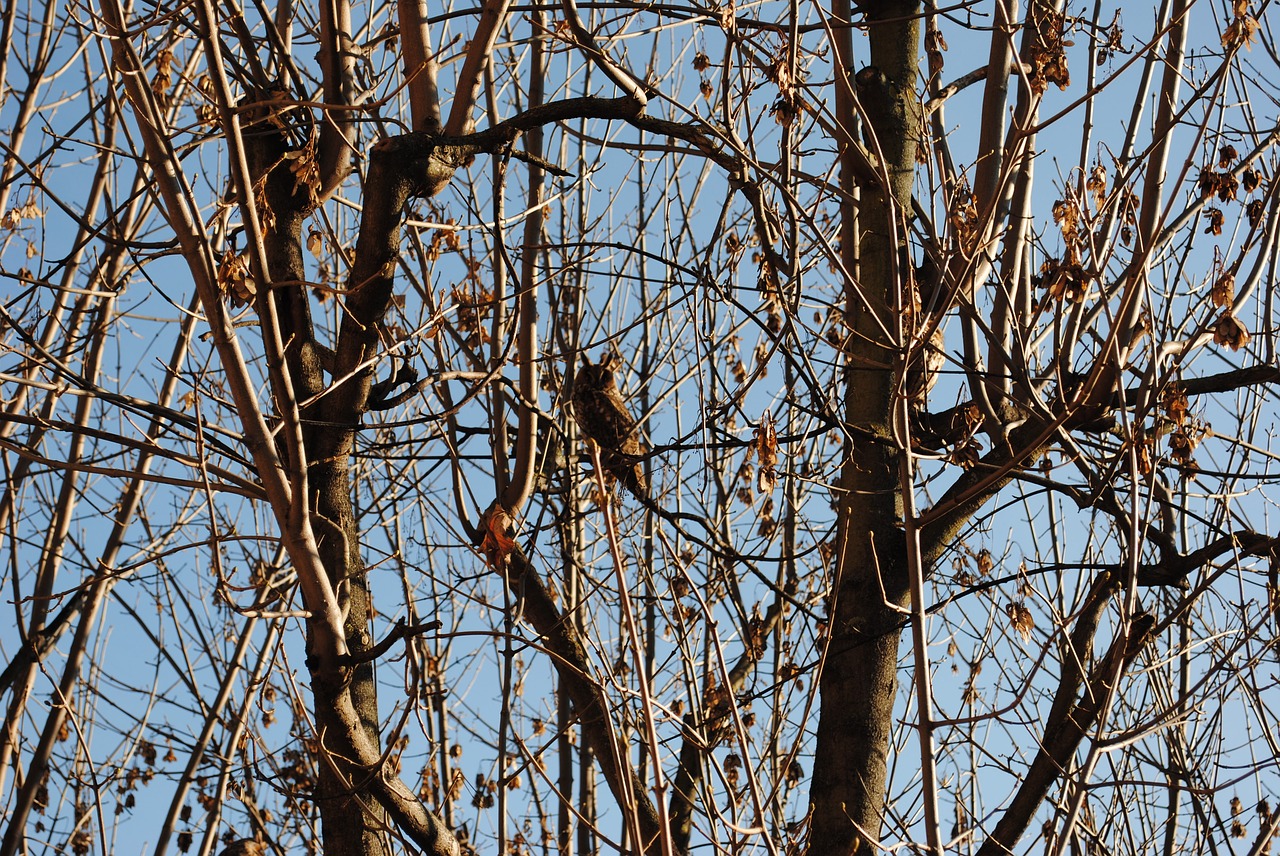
575 669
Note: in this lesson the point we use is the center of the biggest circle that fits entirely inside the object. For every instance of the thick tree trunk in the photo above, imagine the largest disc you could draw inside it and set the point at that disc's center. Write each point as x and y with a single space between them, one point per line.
859 675
352 819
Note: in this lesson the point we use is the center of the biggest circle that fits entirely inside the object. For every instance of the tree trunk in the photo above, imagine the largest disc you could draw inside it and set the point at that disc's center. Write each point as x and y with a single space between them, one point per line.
859 680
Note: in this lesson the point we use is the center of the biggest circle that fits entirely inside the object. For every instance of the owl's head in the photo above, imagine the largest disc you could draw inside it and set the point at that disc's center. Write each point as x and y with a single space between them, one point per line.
598 375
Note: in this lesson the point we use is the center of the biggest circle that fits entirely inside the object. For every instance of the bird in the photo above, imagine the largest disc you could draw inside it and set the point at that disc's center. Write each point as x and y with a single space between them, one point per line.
603 416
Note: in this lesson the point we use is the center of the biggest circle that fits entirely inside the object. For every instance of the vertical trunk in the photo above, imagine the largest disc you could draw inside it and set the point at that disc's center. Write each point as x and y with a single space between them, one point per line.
353 821
859 672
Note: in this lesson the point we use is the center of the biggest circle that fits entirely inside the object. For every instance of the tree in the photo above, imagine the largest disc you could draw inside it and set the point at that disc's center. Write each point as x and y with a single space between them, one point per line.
304 311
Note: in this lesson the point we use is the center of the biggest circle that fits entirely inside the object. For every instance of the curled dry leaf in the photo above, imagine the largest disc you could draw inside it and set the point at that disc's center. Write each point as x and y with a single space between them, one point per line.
1214 220
28 210
765 447
304 163
1182 444
235 280
1047 56
1221 184
498 543
1175 404
1242 29
934 45
1224 290
966 454
1020 619
1254 211
1230 332
162 80
1097 185
1143 444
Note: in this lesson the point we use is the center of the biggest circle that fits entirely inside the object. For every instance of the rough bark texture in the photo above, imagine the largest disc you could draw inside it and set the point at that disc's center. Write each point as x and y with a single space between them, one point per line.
859 678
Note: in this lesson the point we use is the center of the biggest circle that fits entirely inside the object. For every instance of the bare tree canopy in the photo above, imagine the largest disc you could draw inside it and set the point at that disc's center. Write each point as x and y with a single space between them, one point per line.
639 428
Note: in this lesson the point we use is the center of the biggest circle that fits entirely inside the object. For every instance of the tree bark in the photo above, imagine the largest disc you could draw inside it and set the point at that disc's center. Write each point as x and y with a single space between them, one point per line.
858 682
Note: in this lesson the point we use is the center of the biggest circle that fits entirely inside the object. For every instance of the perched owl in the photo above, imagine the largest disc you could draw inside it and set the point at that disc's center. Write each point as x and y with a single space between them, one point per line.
602 415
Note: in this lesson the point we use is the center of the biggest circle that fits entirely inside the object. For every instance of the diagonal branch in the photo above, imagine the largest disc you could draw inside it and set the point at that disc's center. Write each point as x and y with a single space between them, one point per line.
1072 715
576 671
492 16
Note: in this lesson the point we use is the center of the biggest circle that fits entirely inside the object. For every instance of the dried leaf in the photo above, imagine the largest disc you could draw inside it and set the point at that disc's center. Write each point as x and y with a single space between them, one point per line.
498 543
1214 218
1097 185
1207 182
1242 29
235 280
1175 404
1230 332
1182 444
1224 290
304 163
1142 447
1047 56
1254 211
765 447
161 82
1020 619
966 454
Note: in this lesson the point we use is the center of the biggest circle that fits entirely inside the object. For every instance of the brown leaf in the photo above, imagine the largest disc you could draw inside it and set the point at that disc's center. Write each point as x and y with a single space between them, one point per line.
1207 182
1182 444
498 543
1227 186
234 279
1242 30
1020 619
765 447
1224 290
1097 185
1175 404
1215 220
1230 332
966 454
245 847
1254 211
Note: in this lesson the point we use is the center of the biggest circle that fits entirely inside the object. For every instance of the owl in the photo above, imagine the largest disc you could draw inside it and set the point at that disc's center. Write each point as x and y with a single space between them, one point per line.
602 415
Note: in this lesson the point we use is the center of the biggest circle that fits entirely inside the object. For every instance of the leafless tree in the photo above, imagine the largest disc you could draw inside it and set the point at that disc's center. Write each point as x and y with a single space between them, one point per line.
934 346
